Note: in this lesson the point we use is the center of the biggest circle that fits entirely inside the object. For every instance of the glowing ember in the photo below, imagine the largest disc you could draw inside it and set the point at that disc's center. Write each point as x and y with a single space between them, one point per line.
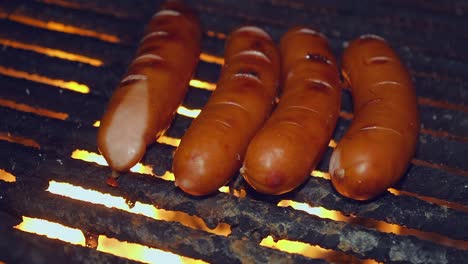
110 201
321 174
203 85
51 52
140 253
54 26
318 211
332 143
193 113
295 247
169 141
211 58
97 123
346 115
34 110
20 140
108 245
99 159
71 85
6 176
168 176
216 35
52 230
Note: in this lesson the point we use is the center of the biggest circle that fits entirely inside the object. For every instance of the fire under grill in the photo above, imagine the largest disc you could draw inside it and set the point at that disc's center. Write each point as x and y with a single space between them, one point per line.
60 61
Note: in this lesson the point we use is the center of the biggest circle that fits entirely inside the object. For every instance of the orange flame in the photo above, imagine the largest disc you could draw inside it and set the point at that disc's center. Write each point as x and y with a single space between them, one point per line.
218 35
295 247
321 174
51 230
51 52
70 85
202 85
110 201
6 176
20 140
317 211
211 59
34 110
140 253
168 141
108 245
54 26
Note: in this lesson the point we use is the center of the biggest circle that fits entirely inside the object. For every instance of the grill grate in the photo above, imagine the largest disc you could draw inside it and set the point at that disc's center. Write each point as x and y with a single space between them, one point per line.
109 31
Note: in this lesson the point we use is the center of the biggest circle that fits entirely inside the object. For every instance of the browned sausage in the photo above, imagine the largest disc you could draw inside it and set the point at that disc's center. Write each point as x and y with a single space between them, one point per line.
212 149
375 151
284 152
144 103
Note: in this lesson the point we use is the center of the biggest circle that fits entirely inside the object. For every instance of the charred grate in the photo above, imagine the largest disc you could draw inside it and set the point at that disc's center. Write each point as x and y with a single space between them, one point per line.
429 206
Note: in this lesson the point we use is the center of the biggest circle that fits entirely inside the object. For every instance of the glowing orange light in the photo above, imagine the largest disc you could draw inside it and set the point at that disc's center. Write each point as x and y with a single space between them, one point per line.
168 141
99 159
216 34
20 140
51 52
318 211
295 247
321 174
202 85
346 115
108 245
110 201
139 252
238 193
6 176
193 113
54 26
34 110
70 85
211 58
332 143
168 176
51 230
224 189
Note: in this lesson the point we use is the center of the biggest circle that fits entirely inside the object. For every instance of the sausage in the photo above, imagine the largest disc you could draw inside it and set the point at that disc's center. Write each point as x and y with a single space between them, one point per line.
284 152
376 149
144 103
212 149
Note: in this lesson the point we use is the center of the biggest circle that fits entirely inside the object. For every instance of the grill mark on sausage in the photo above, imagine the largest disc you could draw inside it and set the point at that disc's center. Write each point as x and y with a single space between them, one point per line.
380 128
154 34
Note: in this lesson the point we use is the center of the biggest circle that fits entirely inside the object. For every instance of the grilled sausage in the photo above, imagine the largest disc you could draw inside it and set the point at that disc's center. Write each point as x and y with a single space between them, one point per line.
145 102
283 153
213 147
375 151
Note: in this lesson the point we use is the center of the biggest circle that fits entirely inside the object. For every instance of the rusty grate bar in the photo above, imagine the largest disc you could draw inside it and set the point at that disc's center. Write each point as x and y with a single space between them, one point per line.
396 209
157 233
248 218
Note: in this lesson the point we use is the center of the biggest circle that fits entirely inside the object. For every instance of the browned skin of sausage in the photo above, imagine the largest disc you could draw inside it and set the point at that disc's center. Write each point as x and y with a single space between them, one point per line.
283 153
143 105
212 149
375 151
